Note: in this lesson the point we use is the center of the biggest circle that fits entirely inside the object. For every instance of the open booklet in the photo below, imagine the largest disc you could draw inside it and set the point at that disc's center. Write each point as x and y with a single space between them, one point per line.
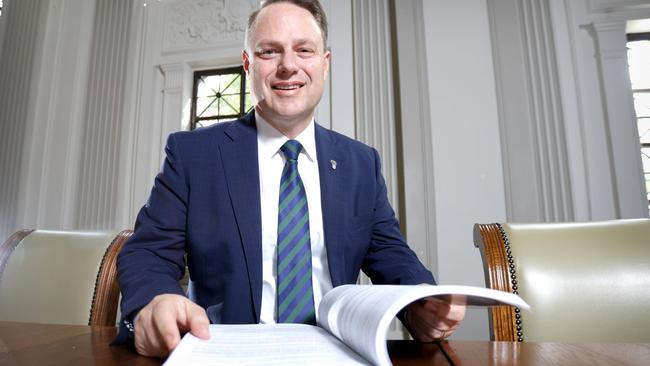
353 321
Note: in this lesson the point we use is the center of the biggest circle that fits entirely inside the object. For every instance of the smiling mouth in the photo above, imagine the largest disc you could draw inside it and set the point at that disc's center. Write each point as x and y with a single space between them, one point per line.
287 87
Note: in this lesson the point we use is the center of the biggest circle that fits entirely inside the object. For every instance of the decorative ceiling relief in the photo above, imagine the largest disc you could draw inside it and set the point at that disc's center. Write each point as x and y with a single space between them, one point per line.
600 6
200 24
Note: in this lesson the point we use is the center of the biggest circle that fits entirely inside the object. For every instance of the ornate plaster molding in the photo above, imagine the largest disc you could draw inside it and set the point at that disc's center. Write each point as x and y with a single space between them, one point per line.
199 24
606 6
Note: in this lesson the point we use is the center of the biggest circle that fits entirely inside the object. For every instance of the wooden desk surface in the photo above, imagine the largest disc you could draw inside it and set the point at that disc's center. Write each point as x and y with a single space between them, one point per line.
45 344
39 344
531 353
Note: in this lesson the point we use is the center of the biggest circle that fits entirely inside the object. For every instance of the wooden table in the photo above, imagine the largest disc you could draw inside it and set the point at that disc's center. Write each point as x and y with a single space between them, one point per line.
38 344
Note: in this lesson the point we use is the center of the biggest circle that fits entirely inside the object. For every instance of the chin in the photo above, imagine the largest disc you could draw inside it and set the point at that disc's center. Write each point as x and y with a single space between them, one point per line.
293 111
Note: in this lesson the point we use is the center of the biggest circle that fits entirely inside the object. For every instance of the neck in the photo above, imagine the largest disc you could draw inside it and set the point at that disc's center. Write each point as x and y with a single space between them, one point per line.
291 127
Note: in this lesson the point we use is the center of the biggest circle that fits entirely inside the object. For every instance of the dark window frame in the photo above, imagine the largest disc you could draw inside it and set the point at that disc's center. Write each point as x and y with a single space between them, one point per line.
632 37
638 37
211 72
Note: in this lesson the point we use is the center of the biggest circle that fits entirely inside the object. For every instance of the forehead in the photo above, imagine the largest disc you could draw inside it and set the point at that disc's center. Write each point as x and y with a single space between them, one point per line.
285 22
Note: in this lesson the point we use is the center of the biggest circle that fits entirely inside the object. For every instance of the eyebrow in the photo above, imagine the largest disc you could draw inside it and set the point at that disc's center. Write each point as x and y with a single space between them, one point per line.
298 42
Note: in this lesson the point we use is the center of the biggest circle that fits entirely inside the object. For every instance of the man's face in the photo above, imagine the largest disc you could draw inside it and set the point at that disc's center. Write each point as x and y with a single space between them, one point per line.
286 64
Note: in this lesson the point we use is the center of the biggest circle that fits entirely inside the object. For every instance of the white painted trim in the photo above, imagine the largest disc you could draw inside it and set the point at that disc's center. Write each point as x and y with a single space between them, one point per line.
565 51
172 100
341 90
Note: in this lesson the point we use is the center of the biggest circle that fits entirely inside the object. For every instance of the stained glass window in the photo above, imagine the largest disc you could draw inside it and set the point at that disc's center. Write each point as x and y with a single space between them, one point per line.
219 95
638 56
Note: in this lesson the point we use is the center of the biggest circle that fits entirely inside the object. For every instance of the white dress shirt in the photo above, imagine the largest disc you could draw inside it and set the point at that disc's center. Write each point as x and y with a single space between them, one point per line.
271 162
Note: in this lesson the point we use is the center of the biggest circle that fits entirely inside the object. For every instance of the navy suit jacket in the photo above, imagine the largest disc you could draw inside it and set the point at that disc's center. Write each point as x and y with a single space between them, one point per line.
206 203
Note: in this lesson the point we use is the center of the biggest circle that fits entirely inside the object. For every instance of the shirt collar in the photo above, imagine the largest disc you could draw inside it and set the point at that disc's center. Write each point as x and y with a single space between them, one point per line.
270 140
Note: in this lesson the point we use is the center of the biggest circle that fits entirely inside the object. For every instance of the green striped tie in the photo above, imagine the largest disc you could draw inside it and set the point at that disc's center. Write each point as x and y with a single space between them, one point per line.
295 293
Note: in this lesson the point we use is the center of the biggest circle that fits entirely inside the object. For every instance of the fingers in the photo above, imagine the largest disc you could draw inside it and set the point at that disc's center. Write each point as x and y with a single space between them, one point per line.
166 317
431 320
159 325
439 334
198 321
449 313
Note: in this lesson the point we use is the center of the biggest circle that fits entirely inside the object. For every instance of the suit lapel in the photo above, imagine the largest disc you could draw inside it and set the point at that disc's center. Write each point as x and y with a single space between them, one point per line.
332 171
244 190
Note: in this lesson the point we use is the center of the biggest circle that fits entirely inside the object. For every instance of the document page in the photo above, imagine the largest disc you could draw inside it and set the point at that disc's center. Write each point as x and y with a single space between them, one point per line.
360 315
264 344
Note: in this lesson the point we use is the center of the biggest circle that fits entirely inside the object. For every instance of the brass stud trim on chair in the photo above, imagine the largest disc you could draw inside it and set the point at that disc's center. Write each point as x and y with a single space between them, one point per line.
488 239
513 281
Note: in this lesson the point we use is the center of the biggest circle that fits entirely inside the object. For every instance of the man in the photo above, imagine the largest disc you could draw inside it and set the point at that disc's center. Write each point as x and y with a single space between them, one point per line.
222 199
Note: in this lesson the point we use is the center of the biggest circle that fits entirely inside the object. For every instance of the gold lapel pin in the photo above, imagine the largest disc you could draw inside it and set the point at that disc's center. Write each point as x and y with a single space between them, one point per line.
333 162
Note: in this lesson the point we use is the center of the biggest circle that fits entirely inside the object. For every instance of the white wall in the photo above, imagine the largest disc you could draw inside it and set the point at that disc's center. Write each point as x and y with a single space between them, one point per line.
468 176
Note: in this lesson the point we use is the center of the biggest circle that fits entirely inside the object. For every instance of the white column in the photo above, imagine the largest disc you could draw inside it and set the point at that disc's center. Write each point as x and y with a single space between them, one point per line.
98 180
373 80
50 171
536 163
625 148
19 49
549 139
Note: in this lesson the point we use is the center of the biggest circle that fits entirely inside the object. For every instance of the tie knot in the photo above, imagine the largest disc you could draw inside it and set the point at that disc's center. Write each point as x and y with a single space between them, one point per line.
291 149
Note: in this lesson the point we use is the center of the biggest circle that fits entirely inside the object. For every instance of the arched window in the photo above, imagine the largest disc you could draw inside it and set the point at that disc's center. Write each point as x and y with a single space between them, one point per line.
219 95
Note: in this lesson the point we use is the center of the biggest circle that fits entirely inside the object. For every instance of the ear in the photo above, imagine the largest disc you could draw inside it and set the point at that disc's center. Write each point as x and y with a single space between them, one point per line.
328 57
246 61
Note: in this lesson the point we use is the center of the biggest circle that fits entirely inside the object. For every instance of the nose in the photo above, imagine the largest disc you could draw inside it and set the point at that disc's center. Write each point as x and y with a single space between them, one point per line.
288 63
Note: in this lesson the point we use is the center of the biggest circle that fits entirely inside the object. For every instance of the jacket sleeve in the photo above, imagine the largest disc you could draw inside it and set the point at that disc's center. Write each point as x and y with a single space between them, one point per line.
389 259
152 260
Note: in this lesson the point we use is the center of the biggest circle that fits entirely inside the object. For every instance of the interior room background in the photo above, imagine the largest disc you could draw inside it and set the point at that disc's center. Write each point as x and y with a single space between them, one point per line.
482 110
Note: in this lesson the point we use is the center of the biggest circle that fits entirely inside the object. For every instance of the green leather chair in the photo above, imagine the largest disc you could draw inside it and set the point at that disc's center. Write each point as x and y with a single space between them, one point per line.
60 277
585 282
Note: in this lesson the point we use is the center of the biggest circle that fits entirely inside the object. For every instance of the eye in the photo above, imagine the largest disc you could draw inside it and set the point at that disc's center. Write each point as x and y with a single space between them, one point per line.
266 53
305 51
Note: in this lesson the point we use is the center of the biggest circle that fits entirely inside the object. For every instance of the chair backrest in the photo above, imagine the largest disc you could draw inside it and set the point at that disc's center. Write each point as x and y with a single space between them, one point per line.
60 277
585 282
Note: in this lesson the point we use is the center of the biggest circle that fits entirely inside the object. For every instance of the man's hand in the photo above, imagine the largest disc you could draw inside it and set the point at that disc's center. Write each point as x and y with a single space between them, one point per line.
432 319
159 325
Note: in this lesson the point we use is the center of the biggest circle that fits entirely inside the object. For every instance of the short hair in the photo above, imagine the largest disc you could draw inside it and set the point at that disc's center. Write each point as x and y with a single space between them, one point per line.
312 6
